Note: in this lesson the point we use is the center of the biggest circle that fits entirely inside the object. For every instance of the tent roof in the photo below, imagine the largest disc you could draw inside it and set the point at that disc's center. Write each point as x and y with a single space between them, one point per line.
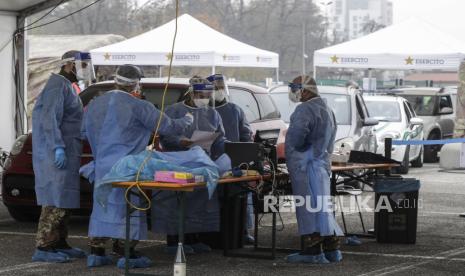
17 5
28 7
412 44
196 45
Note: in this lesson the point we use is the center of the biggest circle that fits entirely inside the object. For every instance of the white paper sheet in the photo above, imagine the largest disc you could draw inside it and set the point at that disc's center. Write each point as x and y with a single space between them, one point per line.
204 139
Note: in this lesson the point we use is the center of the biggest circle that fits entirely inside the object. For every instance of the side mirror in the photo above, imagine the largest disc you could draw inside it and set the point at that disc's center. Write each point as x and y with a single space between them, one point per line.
416 121
370 122
446 110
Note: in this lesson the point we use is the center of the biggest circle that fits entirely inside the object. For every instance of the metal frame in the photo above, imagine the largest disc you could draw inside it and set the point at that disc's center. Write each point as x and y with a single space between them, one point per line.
180 195
240 252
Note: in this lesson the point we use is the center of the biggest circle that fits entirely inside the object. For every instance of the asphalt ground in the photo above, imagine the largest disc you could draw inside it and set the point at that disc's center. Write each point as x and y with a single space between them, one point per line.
439 250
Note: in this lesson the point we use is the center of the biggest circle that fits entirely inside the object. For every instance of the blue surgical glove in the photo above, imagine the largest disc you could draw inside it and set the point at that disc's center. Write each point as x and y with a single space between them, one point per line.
60 158
189 119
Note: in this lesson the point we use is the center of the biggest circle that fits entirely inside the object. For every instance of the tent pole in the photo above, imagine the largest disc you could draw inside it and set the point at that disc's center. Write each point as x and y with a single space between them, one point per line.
160 72
314 71
213 69
277 74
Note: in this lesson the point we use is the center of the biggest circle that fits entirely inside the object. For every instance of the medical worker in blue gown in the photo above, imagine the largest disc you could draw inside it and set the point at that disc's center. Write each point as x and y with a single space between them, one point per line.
56 123
202 213
309 142
118 124
237 129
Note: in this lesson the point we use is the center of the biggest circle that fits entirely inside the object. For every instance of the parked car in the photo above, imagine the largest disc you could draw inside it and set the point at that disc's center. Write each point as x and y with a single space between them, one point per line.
397 120
354 124
436 106
18 177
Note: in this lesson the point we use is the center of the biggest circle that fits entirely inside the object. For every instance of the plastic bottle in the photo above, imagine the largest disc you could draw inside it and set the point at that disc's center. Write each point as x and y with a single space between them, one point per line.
180 262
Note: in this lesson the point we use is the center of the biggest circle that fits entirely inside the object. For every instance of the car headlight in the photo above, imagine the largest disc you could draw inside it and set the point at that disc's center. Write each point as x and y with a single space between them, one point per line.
393 135
18 145
345 144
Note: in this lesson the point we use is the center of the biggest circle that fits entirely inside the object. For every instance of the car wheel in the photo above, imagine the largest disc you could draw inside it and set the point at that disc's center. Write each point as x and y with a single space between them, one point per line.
418 162
22 214
431 151
404 166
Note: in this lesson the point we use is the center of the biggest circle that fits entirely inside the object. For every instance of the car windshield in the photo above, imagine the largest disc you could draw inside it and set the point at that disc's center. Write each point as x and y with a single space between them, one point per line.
384 111
340 104
285 106
423 105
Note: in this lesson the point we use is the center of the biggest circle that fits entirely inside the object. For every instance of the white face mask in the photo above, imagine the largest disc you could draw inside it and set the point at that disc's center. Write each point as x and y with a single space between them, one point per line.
295 97
201 103
219 95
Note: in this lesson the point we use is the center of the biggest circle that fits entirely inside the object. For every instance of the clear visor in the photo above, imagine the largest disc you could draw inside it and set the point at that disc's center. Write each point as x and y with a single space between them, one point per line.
221 90
296 87
84 70
203 98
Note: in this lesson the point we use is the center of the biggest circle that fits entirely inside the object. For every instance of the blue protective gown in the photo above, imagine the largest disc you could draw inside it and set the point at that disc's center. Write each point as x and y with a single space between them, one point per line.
309 142
117 124
202 214
56 122
236 127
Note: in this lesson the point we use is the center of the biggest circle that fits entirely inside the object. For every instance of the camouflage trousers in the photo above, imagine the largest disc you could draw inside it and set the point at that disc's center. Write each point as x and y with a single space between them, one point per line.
117 245
52 230
317 243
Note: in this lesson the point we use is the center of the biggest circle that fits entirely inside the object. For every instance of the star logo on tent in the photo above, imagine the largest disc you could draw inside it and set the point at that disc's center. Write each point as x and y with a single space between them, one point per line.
107 56
169 56
409 60
334 59
225 57
258 59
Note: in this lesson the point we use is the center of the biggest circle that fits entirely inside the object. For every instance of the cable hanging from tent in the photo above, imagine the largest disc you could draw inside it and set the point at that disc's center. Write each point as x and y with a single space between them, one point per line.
162 111
63 17
28 27
43 16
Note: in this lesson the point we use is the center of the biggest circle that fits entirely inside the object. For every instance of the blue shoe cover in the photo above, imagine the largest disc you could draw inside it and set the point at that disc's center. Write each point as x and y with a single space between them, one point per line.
49 256
141 262
73 252
353 241
309 259
173 249
96 261
200 247
249 239
334 256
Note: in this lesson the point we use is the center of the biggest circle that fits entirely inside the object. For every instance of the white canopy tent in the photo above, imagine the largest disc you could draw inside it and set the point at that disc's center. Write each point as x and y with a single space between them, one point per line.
196 45
412 44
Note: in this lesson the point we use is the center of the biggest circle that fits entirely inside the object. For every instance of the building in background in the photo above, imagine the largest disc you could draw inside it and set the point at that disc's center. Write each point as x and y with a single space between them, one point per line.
350 19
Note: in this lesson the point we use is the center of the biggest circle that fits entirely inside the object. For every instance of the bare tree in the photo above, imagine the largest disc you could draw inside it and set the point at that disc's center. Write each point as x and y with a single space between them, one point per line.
274 25
371 26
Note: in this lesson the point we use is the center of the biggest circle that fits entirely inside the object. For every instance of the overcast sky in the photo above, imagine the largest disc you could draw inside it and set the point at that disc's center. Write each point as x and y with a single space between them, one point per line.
445 14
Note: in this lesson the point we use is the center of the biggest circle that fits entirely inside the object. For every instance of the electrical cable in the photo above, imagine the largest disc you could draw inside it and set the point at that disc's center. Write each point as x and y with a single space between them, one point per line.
162 110
28 27
63 17
43 16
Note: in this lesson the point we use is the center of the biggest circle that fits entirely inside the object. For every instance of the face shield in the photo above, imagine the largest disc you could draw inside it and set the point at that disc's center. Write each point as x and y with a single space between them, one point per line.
84 68
220 87
296 90
202 95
